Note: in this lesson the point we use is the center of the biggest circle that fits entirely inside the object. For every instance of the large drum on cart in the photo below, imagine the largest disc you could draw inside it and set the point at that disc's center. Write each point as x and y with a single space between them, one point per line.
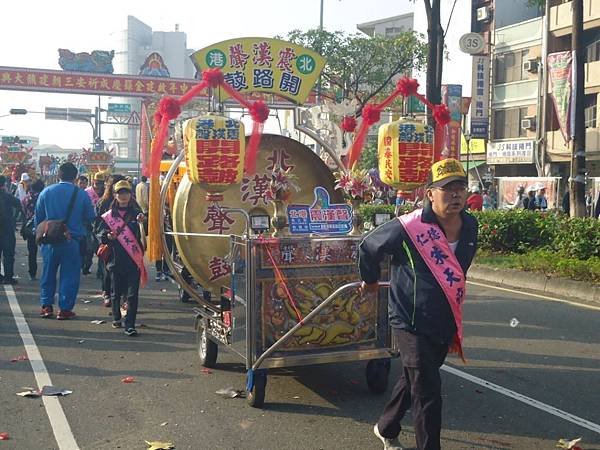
281 302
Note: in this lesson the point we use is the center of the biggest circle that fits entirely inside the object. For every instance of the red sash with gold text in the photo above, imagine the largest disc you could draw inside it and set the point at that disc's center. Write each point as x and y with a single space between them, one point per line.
119 228
92 194
432 245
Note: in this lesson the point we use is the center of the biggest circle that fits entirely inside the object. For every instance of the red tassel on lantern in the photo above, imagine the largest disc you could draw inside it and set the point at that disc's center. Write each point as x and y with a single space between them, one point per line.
371 114
169 108
348 124
407 86
441 114
214 77
259 113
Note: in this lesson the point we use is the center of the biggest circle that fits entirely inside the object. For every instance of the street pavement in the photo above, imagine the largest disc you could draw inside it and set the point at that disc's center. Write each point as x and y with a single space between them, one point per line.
551 355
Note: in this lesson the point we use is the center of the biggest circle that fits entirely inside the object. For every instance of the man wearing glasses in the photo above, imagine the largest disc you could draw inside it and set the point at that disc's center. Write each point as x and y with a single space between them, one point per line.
431 250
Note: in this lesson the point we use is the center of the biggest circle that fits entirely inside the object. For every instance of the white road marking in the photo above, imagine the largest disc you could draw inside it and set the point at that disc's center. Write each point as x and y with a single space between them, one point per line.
58 420
545 297
524 399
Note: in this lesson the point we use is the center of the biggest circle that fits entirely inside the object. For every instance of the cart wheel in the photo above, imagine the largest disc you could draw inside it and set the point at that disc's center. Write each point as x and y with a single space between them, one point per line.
207 349
378 372
184 297
256 397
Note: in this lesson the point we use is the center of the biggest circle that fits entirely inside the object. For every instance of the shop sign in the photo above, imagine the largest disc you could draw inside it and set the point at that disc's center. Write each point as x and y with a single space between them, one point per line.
263 65
480 89
511 152
321 217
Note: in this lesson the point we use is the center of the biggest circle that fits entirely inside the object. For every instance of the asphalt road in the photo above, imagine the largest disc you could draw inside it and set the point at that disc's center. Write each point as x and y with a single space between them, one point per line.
551 356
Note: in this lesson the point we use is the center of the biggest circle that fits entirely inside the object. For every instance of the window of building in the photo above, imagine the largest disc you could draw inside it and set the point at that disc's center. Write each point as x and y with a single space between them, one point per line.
509 66
507 123
393 31
592 51
591 111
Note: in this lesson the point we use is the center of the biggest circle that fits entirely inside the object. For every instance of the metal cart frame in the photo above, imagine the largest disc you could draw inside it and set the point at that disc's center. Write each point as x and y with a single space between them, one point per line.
214 331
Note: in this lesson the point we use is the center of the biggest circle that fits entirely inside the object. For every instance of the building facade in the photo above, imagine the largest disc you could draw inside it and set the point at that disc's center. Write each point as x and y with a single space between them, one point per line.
558 153
132 46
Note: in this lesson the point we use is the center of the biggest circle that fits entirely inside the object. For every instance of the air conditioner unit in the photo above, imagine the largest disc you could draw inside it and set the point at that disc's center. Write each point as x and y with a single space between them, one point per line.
528 123
483 14
531 65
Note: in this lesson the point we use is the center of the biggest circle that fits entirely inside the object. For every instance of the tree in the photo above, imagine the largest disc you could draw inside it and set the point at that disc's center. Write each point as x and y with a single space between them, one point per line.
369 158
359 67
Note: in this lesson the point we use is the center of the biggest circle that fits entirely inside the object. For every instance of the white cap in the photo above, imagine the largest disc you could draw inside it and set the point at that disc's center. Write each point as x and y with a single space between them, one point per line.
475 188
25 177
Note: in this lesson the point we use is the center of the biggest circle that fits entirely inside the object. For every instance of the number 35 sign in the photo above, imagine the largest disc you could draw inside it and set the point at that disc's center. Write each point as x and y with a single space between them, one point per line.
471 43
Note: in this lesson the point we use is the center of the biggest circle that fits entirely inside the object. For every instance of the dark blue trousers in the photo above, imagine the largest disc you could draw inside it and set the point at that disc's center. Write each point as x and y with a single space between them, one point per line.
66 257
8 241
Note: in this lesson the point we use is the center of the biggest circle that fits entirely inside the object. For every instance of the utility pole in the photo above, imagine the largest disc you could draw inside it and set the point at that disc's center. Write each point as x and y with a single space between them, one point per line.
577 178
435 52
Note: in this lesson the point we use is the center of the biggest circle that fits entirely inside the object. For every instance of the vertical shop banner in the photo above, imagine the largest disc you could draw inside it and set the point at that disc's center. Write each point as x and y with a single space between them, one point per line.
480 91
263 65
559 71
452 98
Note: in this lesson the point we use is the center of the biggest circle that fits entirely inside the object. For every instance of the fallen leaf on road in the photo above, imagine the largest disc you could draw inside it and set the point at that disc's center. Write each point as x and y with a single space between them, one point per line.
206 371
296 397
164 424
87 301
128 380
20 358
98 322
514 322
3 436
30 392
163 290
569 445
230 392
82 341
51 390
156 445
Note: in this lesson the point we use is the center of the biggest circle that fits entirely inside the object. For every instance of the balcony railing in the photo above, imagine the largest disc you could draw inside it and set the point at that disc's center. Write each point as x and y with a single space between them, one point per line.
561 17
557 148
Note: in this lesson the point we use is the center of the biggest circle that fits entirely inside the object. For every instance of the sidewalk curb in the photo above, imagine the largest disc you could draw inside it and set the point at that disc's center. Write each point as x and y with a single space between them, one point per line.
537 282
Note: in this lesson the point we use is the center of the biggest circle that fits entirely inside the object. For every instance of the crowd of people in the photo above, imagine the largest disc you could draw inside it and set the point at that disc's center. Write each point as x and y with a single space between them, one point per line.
103 216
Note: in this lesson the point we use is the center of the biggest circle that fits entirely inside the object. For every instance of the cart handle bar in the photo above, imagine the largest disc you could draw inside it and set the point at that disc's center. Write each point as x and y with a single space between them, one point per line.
313 313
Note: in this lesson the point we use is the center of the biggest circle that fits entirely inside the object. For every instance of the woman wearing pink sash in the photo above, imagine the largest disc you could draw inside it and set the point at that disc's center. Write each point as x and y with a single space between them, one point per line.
431 250
120 230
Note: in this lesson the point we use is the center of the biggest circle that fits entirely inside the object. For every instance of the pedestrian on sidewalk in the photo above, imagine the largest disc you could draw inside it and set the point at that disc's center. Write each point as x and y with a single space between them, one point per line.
121 231
432 249
11 208
27 229
63 201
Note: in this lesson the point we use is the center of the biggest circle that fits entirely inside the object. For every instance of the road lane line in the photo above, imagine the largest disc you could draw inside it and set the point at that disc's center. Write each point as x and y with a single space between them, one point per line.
554 299
58 420
524 399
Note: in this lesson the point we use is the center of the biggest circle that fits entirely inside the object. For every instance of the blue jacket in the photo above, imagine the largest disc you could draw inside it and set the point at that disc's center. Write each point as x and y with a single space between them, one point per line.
416 301
53 202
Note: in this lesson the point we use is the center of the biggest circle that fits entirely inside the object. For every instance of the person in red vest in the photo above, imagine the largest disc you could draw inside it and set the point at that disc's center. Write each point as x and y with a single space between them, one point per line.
432 249
475 200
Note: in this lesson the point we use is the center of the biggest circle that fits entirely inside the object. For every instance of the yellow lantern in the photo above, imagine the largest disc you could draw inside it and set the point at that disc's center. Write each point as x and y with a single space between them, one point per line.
406 154
215 151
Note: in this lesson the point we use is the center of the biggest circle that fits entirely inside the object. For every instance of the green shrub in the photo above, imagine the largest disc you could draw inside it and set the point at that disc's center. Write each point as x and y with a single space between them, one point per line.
578 237
515 231
368 211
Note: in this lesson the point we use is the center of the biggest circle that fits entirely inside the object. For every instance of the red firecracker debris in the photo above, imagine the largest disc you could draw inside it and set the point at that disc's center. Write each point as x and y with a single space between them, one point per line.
206 371
20 358
3 436
128 380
